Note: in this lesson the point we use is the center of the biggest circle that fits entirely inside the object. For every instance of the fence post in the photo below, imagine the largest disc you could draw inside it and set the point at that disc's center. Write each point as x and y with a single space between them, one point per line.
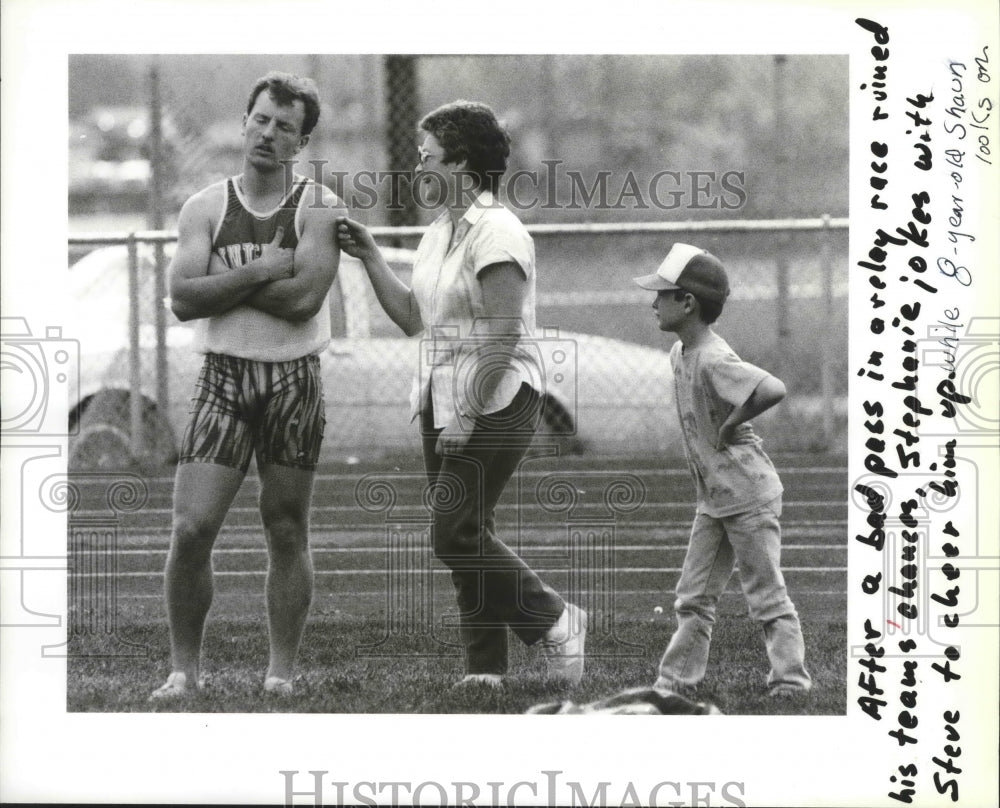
373 101
160 309
781 243
401 131
156 221
826 372
134 359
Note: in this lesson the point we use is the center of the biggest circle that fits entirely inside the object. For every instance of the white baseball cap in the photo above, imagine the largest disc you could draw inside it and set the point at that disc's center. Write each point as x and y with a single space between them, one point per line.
692 269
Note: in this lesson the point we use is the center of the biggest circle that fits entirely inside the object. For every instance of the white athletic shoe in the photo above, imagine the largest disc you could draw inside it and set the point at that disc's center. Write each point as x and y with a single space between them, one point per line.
564 645
175 687
786 691
493 680
277 686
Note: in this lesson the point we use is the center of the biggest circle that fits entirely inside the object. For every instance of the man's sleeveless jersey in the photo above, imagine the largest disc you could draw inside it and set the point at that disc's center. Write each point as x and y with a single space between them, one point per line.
239 238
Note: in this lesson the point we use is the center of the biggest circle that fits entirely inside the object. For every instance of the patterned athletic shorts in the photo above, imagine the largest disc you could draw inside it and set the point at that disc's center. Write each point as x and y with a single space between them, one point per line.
242 407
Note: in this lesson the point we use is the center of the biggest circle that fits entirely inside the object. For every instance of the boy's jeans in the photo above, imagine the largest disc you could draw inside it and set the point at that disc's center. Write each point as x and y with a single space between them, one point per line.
753 540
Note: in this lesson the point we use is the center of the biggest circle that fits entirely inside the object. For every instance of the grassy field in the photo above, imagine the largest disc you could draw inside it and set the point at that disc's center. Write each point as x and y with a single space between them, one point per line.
335 678
359 609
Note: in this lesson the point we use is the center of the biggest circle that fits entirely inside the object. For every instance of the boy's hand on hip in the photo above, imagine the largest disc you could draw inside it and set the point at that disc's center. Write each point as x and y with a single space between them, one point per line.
727 432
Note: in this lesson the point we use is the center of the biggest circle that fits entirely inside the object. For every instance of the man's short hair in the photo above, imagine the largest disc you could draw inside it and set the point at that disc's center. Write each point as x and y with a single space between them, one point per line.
470 131
285 89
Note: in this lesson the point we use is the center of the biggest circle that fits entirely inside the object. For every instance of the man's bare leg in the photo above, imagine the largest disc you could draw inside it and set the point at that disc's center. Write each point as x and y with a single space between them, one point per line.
285 498
203 493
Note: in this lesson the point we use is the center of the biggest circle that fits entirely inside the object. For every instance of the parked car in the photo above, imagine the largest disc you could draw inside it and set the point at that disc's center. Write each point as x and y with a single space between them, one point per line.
601 395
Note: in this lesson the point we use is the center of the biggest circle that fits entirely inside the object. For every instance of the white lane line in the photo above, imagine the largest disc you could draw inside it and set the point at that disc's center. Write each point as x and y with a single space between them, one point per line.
415 473
435 571
685 503
631 548
802 595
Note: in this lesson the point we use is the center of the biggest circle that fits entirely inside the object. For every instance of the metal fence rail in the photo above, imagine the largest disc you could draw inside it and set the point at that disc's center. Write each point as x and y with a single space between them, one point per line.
814 225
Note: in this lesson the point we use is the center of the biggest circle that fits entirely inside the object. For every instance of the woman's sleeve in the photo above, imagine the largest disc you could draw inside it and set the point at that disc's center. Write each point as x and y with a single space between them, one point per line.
502 240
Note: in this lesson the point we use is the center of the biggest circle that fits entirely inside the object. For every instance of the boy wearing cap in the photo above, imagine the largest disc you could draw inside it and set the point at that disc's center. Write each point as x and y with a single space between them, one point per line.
738 489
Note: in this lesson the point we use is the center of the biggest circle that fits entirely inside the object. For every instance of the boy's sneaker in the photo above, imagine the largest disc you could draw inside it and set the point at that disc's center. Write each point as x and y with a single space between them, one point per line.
564 644
786 691
277 686
175 687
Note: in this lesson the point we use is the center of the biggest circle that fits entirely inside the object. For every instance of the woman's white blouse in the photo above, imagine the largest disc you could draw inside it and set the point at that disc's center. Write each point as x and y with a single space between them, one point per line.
456 348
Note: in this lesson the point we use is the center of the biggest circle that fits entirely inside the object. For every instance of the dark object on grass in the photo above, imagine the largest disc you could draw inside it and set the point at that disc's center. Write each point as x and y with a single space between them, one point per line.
634 701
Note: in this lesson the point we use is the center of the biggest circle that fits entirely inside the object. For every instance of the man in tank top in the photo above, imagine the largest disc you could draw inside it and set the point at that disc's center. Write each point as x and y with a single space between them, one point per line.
256 256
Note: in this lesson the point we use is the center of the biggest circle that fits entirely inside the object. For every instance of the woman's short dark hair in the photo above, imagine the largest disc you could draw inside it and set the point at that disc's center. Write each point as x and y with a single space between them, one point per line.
708 310
286 88
470 131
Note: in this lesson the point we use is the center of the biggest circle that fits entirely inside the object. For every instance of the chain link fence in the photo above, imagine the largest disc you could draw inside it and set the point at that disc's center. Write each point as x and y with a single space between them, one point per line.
647 150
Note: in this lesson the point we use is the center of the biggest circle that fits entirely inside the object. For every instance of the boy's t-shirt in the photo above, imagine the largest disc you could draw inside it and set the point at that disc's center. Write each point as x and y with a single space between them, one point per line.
711 380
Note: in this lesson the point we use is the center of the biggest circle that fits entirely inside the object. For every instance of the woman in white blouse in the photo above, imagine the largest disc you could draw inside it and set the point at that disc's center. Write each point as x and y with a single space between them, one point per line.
476 387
